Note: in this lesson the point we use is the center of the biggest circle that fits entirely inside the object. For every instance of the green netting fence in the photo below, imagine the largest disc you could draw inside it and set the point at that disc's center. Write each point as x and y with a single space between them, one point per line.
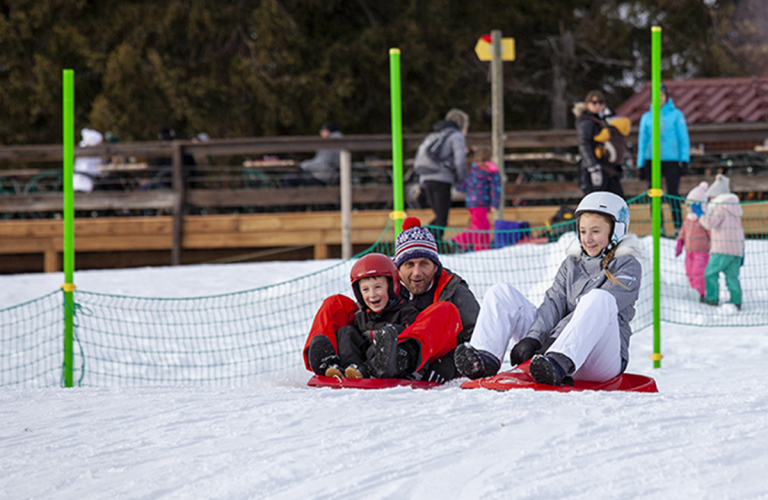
228 339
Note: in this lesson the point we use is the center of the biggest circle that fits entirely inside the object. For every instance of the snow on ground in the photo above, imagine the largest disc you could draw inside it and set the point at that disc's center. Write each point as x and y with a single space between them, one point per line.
703 435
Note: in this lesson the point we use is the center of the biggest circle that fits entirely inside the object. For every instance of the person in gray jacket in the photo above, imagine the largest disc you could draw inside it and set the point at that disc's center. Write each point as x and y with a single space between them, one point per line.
581 330
441 161
323 168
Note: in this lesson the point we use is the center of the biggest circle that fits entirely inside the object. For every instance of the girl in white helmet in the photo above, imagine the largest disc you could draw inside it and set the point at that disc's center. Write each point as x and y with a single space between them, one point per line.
581 330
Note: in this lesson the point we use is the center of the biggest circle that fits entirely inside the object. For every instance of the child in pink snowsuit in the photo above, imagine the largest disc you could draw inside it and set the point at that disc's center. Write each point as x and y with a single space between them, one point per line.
483 189
695 239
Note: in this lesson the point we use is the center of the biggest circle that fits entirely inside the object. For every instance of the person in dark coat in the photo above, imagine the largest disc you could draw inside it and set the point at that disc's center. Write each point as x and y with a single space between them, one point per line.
590 120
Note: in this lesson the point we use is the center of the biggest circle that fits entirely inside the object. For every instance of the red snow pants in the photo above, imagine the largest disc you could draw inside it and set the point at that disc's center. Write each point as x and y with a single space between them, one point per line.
335 311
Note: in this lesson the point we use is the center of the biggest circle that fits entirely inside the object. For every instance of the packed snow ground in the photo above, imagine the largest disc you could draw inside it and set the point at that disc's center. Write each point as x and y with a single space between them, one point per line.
703 435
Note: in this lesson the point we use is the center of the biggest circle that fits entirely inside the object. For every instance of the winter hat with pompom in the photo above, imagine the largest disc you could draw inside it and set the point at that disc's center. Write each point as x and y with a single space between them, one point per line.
699 193
91 138
415 242
720 186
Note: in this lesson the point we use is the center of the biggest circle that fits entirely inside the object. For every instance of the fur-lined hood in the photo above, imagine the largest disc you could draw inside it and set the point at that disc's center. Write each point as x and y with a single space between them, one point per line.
629 245
579 108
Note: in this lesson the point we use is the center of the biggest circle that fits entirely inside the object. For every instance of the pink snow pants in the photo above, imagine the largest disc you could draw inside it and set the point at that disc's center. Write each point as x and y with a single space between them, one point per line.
479 222
695 265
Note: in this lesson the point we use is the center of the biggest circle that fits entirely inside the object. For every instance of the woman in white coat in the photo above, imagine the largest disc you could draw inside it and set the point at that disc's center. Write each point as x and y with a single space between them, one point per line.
581 330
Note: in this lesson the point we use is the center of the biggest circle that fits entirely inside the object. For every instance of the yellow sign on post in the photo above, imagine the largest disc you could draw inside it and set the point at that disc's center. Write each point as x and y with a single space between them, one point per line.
483 49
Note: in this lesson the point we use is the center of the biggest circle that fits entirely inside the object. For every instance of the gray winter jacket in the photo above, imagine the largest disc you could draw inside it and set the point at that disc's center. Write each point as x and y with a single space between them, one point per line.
324 166
442 156
576 277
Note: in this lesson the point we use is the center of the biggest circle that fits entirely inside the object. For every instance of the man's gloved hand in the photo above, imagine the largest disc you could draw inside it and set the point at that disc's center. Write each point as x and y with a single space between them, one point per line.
684 168
697 209
441 370
642 173
596 175
524 350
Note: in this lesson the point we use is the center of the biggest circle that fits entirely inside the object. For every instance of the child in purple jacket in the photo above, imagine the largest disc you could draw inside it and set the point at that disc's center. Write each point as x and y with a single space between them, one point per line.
483 189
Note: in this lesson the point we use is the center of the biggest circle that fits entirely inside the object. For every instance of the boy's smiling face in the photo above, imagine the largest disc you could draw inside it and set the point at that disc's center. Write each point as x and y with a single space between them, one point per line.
375 292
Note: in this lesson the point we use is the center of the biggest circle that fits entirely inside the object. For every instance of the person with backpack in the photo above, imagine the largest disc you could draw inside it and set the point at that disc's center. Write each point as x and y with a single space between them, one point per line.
675 151
595 174
441 161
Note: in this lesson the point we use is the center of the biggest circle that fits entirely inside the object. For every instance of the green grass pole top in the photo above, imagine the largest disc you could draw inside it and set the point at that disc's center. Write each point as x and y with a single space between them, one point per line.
397 140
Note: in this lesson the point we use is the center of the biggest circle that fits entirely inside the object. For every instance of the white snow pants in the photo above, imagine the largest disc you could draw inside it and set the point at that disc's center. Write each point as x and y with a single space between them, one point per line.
591 339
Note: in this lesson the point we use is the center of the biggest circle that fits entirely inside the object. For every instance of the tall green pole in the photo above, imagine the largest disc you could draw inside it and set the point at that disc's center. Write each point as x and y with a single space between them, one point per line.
397 140
655 192
69 225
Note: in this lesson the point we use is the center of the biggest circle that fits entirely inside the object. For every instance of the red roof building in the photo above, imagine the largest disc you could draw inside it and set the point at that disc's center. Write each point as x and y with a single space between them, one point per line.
707 100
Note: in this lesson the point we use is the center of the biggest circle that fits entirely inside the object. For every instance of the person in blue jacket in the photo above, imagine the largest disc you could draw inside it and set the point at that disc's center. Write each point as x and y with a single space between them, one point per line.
675 150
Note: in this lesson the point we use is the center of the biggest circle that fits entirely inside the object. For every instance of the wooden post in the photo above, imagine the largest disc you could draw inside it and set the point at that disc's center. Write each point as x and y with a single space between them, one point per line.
346 204
178 205
497 119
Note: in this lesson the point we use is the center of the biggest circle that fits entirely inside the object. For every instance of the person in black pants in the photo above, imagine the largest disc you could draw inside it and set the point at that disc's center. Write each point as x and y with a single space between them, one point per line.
675 151
441 161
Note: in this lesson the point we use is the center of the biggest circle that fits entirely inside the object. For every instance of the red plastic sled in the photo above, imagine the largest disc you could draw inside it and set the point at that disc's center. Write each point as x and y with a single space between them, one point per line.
367 383
521 379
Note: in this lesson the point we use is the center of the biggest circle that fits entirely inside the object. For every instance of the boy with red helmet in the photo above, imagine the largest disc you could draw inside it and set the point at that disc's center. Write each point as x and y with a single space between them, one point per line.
376 286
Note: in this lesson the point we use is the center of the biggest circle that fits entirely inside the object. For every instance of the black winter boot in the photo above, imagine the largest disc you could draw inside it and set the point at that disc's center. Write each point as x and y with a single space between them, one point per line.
474 363
321 354
384 361
545 370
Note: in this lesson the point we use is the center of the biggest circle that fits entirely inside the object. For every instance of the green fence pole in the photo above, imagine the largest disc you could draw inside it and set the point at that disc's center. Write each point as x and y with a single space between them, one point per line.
397 140
655 192
69 225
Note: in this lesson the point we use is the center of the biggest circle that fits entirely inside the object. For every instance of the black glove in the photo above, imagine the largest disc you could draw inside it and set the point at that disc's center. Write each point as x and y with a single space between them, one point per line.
684 168
642 173
524 350
441 370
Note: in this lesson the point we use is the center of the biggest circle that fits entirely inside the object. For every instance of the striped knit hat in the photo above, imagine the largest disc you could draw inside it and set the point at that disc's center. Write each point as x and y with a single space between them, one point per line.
415 242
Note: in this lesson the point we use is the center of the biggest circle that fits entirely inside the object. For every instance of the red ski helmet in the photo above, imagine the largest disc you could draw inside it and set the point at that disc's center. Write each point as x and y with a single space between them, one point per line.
375 264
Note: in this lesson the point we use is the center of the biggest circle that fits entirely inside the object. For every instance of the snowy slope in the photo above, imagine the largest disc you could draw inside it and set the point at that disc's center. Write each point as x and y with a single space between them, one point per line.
703 435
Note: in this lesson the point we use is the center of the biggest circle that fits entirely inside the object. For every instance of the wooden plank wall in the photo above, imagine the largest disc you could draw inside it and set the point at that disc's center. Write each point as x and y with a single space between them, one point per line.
216 232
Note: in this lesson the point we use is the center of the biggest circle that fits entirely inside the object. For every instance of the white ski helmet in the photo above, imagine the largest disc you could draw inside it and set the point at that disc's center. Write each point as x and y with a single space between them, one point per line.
613 205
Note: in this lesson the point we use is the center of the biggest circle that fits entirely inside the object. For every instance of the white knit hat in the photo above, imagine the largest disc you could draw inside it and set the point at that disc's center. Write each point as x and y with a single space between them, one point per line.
699 193
720 186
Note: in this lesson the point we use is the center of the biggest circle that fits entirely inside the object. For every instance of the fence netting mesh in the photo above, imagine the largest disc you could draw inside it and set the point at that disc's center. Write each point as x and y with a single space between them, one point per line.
225 340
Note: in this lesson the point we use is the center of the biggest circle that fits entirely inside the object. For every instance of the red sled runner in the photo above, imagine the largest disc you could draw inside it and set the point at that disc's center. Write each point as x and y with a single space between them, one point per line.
521 379
368 383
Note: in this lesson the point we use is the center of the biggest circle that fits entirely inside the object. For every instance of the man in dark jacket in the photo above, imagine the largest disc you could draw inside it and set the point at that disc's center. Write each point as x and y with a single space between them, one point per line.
447 314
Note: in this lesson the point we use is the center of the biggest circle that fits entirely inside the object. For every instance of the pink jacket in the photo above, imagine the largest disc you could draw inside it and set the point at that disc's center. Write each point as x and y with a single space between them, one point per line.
694 235
723 219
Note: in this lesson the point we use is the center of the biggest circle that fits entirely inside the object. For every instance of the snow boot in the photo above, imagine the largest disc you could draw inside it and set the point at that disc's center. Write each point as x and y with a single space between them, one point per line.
321 354
334 371
357 371
545 370
475 363
384 361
